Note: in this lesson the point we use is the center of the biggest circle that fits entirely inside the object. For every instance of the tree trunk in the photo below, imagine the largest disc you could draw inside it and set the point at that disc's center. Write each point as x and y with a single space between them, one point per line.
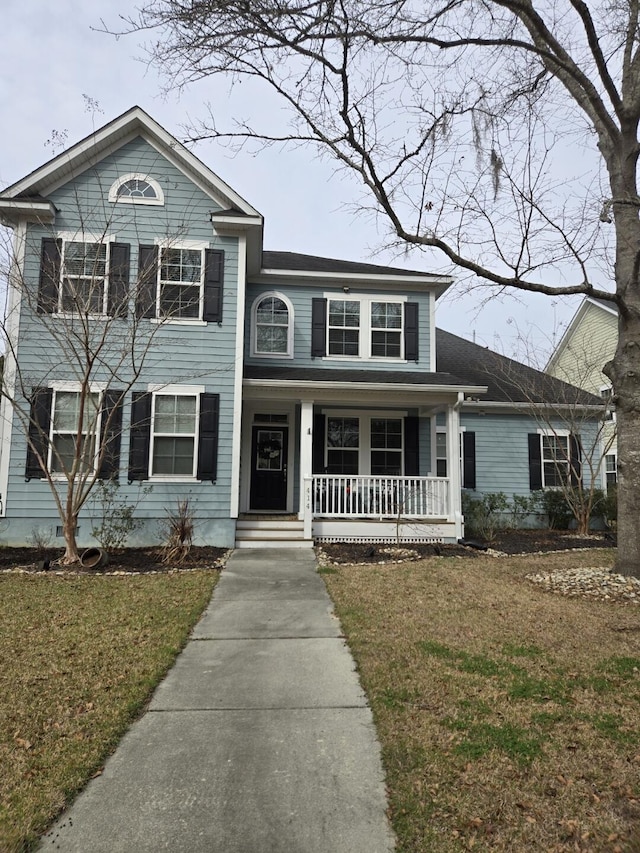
628 424
69 527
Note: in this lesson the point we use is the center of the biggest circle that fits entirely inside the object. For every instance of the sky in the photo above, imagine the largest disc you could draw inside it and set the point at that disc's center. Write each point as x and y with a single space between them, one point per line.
57 66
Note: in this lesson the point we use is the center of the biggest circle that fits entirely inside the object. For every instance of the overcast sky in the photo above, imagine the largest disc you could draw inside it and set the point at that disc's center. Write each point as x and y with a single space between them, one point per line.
53 61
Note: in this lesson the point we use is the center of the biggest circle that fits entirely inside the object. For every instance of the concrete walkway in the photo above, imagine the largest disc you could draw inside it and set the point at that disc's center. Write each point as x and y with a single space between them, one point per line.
258 741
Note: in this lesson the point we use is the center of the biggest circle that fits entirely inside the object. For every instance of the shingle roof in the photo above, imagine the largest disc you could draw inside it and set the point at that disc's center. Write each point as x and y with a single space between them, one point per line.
312 263
460 363
508 381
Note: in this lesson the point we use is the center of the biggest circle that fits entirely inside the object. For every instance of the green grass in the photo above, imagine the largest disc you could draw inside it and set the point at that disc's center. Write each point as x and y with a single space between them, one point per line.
79 659
508 717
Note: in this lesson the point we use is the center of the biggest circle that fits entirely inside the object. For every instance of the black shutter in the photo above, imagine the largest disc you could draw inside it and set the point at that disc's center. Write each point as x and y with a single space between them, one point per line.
411 331
208 437
49 276
39 423
213 285
317 451
110 434
147 281
411 447
118 280
318 328
535 462
468 460
140 436
575 459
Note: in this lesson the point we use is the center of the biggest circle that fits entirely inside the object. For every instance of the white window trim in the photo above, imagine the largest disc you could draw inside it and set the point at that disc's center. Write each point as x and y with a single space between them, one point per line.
174 391
57 387
188 245
610 411
364 435
254 326
84 237
365 328
135 176
555 433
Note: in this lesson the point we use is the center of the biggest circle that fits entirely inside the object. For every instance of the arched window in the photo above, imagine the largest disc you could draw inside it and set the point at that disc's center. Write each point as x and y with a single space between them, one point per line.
136 189
272 326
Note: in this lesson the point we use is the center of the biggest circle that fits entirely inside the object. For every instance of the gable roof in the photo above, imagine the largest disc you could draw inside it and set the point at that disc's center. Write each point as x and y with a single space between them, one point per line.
312 263
113 135
507 380
608 307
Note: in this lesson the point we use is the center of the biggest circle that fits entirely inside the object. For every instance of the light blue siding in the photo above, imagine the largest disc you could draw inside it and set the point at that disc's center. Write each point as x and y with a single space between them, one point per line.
301 296
200 355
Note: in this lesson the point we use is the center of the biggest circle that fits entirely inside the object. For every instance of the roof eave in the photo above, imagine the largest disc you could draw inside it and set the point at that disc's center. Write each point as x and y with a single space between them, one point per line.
14 210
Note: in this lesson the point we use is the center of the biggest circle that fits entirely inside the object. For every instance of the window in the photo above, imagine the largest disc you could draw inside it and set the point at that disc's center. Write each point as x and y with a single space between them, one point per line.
272 329
611 469
174 435
343 442
365 327
66 423
386 446
84 278
89 276
606 392
180 285
441 454
555 460
56 417
344 327
386 329
136 189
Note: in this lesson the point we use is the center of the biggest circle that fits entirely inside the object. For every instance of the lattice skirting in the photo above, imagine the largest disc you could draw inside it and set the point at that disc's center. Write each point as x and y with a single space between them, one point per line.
381 540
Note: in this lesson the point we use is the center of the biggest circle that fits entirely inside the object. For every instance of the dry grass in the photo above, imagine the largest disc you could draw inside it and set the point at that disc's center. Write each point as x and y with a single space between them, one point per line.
79 658
508 716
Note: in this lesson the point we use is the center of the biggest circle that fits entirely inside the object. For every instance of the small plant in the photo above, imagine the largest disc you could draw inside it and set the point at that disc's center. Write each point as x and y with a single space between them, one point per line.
523 506
41 538
485 516
556 506
178 532
116 516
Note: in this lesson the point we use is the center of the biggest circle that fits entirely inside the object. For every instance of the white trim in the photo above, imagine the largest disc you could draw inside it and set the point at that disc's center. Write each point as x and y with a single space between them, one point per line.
236 441
365 328
433 361
165 244
131 124
367 387
158 388
175 391
12 327
290 326
75 385
136 176
179 243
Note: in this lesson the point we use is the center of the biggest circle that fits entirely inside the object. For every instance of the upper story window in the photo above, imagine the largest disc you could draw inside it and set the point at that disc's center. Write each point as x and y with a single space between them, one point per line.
136 189
84 278
366 327
87 276
180 283
272 326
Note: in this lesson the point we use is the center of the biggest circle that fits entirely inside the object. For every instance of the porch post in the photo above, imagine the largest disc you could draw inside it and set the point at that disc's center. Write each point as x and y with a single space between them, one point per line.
453 465
306 458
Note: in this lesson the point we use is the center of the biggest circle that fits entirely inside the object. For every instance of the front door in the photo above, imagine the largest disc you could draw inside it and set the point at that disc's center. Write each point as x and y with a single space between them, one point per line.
269 468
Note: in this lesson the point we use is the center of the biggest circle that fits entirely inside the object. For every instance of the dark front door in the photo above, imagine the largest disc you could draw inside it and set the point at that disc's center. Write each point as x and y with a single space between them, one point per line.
269 468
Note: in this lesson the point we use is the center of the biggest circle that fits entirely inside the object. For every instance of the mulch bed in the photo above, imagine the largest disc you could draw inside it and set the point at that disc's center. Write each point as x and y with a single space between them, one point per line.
507 542
128 560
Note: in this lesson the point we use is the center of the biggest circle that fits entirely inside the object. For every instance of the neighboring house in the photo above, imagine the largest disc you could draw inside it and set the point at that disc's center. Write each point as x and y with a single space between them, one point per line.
587 344
289 397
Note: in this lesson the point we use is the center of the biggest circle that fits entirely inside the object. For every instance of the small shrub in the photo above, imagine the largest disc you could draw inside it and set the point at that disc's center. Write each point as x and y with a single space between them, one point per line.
523 506
485 516
559 513
178 532
41 538
116 516
609 509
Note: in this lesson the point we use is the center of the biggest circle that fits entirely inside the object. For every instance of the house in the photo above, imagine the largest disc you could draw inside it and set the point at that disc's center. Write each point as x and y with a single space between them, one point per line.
587 344
290 398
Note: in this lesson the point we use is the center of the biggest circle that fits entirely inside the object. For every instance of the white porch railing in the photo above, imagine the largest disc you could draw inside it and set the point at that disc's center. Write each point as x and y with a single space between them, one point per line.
340 496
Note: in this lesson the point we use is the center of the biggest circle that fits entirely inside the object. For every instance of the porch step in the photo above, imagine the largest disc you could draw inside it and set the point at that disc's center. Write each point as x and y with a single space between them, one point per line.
271 533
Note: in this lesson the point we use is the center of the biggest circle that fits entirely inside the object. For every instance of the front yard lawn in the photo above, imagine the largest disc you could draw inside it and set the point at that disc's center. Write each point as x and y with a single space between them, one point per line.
509 716
79 658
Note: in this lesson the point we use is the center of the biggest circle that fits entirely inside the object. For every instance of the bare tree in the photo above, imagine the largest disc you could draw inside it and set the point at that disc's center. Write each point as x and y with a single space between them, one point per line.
503 134
82 345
